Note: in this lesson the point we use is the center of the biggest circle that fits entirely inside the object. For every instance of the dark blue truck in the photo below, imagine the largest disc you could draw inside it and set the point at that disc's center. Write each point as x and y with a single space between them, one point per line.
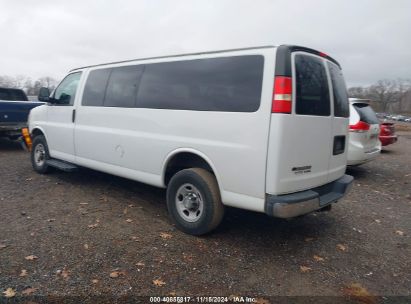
14 110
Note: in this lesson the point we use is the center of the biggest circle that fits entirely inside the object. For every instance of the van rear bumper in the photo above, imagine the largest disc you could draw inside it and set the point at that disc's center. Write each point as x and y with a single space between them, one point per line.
299 203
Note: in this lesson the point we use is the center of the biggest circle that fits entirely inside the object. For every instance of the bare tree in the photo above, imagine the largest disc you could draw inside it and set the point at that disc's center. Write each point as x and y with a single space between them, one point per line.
19 81
388 95
28 86
358 92
404 91
384 92
25 83
48 82
7 81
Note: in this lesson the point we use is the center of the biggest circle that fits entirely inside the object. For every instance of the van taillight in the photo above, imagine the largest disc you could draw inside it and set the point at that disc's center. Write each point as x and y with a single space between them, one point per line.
282 95
360 127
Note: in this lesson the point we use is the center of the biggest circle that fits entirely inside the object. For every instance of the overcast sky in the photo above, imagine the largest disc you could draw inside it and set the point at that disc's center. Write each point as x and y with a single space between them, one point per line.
370 38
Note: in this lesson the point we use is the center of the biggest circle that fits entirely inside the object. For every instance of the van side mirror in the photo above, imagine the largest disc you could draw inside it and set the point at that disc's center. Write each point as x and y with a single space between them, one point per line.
44 94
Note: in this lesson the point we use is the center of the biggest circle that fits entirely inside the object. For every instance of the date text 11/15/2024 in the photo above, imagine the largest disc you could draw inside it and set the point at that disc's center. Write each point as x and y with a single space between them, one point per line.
203 299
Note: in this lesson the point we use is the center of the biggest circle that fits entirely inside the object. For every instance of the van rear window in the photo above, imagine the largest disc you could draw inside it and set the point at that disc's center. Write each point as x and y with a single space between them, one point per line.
313 97
366 113
339 90
215 84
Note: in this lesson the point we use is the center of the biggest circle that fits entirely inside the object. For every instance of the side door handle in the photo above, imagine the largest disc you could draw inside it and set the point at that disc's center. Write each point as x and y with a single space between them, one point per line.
73 116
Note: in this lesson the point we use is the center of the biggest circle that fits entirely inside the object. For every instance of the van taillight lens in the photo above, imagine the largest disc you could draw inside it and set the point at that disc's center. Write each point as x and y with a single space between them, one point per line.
282 95
360 127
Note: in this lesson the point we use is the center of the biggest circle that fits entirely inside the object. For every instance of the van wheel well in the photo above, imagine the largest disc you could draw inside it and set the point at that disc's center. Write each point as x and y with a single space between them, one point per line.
184 160
36 132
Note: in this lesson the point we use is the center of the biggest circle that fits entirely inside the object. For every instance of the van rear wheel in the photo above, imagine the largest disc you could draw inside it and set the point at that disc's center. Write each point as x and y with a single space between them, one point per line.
194 202
40 155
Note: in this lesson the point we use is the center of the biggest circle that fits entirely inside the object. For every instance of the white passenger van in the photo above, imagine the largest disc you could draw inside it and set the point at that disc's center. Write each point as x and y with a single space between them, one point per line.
261 128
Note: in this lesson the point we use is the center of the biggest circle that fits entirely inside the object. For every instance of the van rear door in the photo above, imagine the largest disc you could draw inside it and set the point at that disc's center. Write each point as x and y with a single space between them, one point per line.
340 120
307 145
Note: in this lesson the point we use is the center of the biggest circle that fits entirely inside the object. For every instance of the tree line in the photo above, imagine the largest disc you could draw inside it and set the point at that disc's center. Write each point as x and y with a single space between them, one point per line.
386 95
30 86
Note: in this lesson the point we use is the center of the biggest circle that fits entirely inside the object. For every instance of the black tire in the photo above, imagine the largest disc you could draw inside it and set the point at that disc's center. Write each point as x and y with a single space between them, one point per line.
212 211
39 142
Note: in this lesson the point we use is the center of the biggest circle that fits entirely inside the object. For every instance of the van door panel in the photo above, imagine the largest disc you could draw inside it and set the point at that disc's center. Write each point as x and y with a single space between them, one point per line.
60 125
339 97
295 161
300 153
338 162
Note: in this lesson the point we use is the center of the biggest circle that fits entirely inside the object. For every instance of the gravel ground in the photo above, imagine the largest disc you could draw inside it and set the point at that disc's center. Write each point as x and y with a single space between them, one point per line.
91 234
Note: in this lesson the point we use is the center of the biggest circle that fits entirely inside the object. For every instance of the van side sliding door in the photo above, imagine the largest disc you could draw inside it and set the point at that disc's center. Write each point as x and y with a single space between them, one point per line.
105 115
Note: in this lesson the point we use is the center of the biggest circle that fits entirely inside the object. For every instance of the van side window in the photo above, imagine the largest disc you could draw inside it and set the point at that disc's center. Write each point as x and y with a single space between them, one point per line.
230 84
341 108
122 86
65 93
95 87
313 97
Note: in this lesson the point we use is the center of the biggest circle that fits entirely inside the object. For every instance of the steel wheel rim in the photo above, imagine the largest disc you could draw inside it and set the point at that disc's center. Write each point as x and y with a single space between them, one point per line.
39 155
189 202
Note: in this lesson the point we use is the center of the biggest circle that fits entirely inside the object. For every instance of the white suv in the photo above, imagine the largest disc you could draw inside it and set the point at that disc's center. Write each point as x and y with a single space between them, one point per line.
261 128
364 144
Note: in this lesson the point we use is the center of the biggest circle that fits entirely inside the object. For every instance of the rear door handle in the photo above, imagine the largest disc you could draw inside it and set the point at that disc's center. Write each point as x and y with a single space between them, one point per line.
73 116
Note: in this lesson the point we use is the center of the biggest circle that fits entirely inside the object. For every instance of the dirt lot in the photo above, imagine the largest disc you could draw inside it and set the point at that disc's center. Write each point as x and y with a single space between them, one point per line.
87 234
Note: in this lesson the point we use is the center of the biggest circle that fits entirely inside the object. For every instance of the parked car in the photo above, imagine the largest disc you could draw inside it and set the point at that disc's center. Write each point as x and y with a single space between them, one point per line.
381 115
363 144
387 134
14 109
399 117
247 128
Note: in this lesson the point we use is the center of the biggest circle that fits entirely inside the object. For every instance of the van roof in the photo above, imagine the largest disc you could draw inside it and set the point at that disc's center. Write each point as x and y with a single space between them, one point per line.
283 48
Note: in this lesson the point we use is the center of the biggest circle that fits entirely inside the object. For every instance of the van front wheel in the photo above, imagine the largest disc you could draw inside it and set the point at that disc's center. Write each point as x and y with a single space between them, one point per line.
193 201
40 155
